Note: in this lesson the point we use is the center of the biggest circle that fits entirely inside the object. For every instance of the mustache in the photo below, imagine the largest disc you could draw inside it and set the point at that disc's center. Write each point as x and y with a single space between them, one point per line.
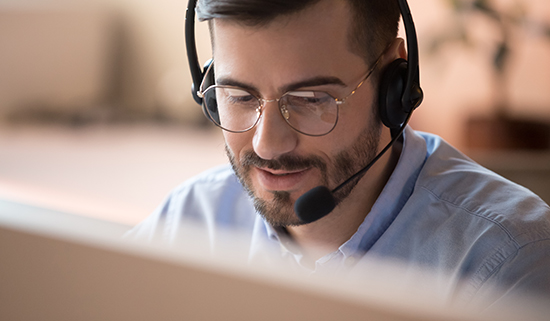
283 162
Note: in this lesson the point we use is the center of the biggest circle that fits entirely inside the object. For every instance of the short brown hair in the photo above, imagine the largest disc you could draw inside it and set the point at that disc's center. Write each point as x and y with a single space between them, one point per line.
374 25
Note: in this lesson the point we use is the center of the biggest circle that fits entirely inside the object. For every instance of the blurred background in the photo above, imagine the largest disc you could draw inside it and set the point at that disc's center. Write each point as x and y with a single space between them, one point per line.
97 119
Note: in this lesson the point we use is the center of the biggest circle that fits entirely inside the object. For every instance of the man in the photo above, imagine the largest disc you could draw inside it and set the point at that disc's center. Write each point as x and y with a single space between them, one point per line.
422 203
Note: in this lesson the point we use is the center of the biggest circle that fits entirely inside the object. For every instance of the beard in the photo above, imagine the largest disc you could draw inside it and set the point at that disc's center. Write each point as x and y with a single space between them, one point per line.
279 210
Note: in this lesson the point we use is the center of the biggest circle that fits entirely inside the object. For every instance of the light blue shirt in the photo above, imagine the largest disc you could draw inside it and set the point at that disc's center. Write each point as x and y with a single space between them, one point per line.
438 210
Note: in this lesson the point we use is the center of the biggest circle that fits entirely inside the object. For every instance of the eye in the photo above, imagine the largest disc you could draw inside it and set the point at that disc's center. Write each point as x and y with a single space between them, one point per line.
238 96
308 99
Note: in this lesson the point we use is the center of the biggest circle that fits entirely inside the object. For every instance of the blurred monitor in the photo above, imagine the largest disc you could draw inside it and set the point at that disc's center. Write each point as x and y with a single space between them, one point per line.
56 266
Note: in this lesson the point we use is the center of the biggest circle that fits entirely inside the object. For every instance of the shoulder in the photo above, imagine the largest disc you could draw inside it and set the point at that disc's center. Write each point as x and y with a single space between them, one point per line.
459 199
459 183
466 220
499 231
210 200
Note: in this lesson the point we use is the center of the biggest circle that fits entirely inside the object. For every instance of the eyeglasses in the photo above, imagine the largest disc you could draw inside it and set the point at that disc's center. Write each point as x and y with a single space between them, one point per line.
310 112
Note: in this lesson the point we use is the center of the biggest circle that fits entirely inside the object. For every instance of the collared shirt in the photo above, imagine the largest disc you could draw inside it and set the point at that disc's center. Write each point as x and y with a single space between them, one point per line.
439 210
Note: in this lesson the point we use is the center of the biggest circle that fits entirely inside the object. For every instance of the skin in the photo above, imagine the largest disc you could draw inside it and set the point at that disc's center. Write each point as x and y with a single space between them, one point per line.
288 52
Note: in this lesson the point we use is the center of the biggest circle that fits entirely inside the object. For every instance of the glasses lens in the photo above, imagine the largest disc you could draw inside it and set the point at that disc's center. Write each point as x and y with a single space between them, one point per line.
232 109
310 112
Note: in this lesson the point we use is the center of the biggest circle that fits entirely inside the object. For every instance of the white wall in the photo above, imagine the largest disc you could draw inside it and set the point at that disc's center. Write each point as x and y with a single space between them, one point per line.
146 36
54 57
154 76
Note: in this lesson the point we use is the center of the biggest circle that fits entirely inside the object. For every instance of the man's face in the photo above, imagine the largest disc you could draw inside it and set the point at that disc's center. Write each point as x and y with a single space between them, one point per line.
275 163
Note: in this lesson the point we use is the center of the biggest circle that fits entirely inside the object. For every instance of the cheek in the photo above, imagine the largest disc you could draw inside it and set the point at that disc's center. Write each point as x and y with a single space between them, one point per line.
350 126
237 143
356 117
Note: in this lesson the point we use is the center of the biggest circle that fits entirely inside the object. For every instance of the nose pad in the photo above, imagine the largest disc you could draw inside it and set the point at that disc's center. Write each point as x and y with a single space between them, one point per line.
285 112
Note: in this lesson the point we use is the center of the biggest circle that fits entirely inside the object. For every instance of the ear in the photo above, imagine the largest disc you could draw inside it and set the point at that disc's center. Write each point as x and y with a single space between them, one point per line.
402 48
397 49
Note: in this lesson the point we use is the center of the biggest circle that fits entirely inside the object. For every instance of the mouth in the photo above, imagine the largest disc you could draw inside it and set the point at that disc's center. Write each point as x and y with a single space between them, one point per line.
281 180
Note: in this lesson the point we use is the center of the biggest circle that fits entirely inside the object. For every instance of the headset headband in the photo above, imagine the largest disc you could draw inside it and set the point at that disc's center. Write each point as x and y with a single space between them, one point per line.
192 58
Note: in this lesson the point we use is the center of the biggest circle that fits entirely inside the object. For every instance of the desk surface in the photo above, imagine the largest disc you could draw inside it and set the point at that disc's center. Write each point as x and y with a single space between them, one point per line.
119 173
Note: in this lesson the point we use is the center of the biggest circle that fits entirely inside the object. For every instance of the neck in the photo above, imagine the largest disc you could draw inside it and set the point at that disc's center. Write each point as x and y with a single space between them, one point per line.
329 233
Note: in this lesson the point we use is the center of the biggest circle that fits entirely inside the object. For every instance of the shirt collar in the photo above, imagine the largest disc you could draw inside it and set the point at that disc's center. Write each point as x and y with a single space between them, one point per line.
393 197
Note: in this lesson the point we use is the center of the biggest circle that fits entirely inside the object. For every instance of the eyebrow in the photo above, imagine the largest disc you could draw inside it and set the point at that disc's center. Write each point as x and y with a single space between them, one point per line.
312 82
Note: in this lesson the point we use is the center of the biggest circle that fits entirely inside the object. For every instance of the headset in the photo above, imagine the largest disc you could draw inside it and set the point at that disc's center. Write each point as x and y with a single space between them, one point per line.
399 94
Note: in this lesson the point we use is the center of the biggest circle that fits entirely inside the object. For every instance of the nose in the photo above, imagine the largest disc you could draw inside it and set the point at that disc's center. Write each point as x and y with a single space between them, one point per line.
273 137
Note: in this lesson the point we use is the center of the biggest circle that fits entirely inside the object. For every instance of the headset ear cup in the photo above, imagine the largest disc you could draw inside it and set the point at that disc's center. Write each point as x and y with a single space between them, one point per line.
209 80
392 86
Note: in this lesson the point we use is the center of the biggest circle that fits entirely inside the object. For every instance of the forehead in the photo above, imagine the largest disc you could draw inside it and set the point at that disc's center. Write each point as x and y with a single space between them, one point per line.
310 43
